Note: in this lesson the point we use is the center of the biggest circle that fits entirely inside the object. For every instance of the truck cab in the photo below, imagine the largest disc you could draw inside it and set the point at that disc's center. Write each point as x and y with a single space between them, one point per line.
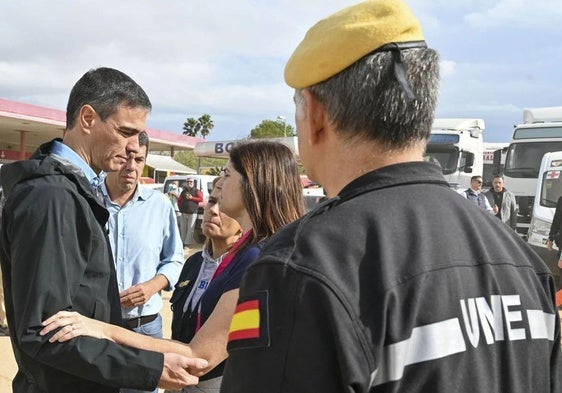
549 189
540 133
457 146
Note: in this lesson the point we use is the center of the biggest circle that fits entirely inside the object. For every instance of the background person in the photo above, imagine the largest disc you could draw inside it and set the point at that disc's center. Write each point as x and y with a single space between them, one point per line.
476 196
188 203
256 174
174 194
54 251
554 236
145 243
339 302
503 202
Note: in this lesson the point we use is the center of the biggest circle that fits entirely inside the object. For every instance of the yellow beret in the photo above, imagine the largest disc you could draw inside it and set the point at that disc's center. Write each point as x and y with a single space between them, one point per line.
338 41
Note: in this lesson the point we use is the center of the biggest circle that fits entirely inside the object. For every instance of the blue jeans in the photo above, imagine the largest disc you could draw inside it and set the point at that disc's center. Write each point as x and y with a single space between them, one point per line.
152 329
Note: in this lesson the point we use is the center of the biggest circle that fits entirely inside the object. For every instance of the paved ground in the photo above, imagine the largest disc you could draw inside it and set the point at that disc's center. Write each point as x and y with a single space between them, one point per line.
8 366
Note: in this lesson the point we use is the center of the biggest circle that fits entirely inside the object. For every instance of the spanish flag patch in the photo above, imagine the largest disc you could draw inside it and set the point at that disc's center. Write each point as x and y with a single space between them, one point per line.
250 327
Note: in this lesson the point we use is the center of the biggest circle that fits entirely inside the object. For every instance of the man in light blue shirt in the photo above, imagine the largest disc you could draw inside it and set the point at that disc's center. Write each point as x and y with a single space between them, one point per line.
145 243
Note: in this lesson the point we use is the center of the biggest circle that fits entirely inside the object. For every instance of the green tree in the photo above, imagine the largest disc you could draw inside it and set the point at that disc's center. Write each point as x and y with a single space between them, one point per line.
201 126
272 129
206 125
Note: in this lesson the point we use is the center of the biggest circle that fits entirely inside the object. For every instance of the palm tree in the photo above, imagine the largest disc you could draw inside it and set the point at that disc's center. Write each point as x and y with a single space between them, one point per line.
206 125
202 126
191 127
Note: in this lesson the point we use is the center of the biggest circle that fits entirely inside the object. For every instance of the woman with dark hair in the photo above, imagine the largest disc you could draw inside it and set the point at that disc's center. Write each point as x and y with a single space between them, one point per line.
260 190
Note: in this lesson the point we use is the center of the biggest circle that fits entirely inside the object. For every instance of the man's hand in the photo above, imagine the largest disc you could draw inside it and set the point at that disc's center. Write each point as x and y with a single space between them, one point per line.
549 245
178 370
496 209
139 294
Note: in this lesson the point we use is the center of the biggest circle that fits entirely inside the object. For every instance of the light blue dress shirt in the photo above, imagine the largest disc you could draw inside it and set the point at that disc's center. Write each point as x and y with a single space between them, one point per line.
145 241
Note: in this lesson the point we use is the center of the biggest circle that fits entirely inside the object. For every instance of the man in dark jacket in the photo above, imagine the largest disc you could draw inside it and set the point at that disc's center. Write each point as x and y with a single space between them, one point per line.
396 283
503 202
555 233
55 254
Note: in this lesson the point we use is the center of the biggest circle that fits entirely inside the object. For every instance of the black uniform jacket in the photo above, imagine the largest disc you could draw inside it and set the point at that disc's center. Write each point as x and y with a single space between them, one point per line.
399 284
55 256
556 225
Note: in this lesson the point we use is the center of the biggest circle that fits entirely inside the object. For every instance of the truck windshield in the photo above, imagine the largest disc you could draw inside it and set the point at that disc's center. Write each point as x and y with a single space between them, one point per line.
524 159
446 157
551 188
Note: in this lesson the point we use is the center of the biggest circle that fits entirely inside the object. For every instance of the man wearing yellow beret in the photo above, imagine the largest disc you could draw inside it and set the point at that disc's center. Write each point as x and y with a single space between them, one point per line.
396 283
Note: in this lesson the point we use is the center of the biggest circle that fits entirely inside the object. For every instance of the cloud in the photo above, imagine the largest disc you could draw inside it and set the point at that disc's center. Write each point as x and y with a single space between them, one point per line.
544 15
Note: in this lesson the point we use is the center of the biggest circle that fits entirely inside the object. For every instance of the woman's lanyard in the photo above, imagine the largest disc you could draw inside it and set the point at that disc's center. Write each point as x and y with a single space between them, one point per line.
223 265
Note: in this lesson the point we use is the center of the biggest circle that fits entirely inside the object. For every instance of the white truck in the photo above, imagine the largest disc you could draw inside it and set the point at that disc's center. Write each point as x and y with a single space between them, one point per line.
540 133
548 190
457 146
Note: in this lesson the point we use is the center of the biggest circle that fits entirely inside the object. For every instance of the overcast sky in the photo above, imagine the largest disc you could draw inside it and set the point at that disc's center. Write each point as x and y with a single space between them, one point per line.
226 57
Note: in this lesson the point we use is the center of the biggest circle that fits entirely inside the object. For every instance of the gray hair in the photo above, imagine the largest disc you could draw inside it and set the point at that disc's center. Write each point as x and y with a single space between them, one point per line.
365 101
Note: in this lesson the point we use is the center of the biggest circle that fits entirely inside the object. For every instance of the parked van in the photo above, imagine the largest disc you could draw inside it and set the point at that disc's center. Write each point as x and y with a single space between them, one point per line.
203 183
549 189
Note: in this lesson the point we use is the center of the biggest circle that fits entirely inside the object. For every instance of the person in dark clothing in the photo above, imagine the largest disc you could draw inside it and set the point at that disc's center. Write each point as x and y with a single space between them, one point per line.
55 253
396 283
503 202
555 234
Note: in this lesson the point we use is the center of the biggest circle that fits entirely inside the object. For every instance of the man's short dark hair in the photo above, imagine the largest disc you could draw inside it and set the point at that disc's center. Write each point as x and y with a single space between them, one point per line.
104 89
475 177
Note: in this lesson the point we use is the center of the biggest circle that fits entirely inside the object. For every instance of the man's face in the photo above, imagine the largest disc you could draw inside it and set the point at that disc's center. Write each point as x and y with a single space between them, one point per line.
190 183
476 184
497 184
116 137
126 178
